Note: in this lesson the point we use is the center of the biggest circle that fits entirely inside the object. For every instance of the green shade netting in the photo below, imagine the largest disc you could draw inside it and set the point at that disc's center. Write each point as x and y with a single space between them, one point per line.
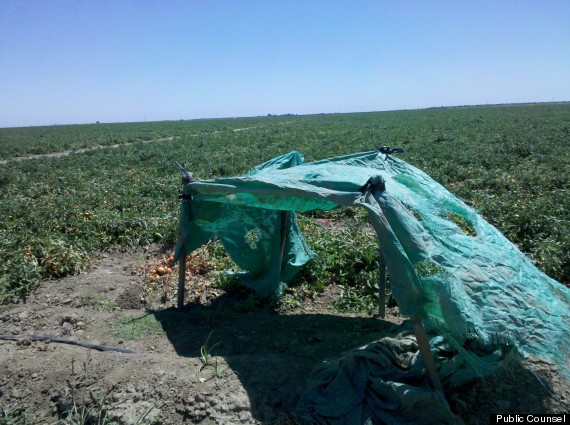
446 263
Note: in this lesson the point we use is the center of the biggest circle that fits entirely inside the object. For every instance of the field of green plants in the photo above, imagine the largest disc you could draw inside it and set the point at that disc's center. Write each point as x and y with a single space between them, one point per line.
21 142
512 163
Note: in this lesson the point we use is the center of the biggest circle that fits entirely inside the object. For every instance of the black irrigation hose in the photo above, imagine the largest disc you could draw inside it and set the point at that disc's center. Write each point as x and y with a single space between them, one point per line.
71 342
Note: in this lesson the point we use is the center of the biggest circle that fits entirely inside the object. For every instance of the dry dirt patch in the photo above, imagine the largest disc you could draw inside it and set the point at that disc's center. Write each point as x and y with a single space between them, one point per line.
258 363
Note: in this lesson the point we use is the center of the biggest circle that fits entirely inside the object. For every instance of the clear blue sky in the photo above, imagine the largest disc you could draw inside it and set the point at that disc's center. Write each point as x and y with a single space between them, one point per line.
112 61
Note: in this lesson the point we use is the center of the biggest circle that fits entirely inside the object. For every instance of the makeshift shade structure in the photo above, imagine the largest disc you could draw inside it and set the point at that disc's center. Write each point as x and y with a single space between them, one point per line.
449 269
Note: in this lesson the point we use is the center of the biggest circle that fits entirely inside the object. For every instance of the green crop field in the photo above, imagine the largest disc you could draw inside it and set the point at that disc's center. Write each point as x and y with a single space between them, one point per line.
18 142
512 163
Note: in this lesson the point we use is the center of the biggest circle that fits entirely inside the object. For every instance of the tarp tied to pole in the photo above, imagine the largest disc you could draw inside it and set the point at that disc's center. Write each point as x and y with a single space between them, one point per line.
446 264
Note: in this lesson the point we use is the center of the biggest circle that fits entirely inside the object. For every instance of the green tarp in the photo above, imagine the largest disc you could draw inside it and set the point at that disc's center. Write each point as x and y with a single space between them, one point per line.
446 264
382 382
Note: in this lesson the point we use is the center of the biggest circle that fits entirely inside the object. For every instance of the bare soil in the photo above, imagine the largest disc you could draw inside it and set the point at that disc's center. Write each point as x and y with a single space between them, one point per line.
263 357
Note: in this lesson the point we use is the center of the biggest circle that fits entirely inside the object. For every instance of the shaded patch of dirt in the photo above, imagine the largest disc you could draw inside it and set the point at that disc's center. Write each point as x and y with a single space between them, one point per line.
263 358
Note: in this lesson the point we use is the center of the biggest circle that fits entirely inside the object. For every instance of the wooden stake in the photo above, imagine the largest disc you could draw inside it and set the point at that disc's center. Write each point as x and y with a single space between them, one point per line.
425 351
283 227
181 278
187 178
382 286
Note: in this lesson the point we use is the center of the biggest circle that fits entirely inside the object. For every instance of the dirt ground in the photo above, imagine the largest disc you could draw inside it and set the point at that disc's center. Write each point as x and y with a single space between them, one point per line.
258 364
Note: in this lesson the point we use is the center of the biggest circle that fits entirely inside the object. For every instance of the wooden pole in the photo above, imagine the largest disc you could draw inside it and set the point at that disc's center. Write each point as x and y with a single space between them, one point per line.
181 278
186 197
382 286
283 227
425 351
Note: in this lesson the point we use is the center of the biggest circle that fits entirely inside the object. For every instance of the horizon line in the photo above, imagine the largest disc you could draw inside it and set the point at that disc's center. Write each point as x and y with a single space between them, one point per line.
269 115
